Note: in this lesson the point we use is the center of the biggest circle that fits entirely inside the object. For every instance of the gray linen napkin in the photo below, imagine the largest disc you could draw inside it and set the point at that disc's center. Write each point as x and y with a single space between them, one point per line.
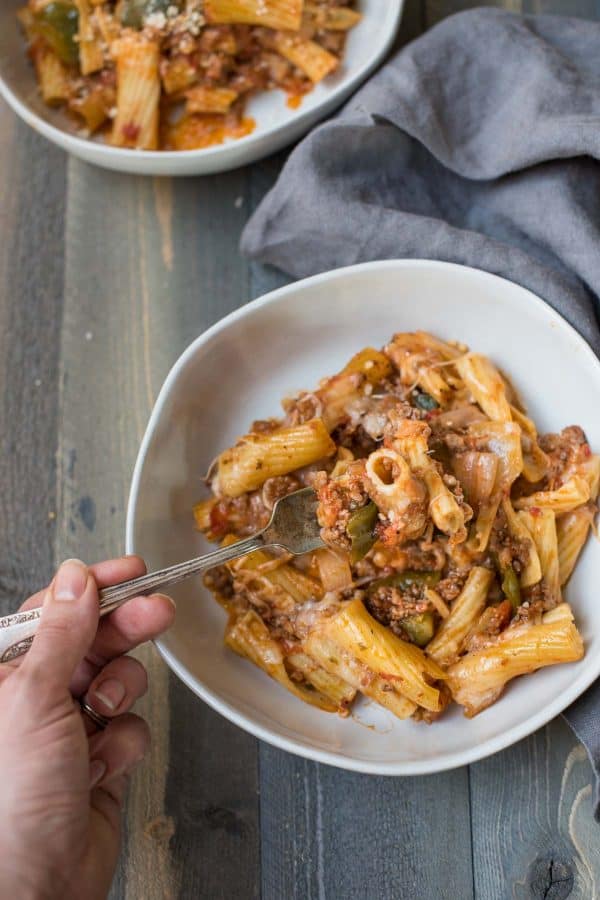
476 144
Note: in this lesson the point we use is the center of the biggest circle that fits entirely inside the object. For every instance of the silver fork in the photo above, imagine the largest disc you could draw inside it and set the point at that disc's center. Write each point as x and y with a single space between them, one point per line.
293 527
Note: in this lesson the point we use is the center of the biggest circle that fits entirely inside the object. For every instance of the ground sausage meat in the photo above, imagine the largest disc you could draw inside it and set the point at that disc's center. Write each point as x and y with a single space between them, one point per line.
390 606
338 499
565 451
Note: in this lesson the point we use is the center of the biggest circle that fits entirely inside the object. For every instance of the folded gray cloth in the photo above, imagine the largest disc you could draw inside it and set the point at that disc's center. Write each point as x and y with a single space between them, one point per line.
475 144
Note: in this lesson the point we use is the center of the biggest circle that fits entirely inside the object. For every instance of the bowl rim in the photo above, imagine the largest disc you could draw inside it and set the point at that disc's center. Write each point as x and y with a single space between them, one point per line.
73 142
445 761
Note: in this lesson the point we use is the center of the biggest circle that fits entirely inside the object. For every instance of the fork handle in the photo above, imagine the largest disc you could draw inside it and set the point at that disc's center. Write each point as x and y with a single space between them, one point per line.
18 629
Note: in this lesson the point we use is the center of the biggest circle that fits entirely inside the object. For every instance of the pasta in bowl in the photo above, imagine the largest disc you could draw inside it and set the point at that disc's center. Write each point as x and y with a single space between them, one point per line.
451 527
236 373
190 86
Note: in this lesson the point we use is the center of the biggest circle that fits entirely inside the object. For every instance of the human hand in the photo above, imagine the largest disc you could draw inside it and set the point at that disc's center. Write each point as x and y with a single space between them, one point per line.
64 781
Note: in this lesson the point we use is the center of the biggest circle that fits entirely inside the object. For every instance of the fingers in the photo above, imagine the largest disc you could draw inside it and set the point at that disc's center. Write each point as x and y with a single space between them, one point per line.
107 573
67 626
114 754
137 621
116 751
141 619
118 686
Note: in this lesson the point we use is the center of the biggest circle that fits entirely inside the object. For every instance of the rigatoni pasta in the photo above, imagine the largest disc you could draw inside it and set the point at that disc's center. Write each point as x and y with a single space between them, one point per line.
451 528
177 74
256 458
138 93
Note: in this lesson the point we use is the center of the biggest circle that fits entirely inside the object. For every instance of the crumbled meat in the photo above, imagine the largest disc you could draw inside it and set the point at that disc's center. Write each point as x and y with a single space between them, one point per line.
302 408
277 487
418 556
529 612
565 451
265 426
220 582
492 621
450 587
338 498
242 515
539 594
390 605
508 550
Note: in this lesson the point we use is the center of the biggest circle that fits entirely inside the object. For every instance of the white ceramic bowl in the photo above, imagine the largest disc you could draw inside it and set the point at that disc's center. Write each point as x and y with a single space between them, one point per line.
276 124
238 371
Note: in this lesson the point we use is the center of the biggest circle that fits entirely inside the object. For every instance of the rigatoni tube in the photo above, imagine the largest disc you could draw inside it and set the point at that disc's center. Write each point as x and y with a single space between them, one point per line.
285 14
138 92
476 680
378 653
257 457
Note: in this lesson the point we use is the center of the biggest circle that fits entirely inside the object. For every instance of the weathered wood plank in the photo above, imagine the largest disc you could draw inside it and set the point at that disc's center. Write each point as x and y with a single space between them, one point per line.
532 820
333 834
148 266
32 200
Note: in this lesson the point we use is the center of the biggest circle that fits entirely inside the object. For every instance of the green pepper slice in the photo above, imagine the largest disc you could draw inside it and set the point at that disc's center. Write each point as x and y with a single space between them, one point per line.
361 531
404 580
419 628
58 24
424 401
511 587
133 12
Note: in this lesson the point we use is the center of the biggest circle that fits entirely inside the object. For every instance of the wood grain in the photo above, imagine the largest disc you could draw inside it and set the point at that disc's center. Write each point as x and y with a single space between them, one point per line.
172 271
333 834
532 820
32 205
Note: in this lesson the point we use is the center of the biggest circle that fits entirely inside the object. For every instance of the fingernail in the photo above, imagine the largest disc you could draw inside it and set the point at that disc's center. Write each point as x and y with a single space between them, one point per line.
70 580
97 771
110 692
170 599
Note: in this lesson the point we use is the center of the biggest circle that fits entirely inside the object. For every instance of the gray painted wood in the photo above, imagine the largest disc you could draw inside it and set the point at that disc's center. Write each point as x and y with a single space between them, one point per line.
333 834
193 813
532 820
32 202
104 279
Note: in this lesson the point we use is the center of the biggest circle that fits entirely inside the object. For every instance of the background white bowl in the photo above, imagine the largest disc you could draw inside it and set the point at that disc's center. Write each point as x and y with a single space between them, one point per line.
276 124
238 371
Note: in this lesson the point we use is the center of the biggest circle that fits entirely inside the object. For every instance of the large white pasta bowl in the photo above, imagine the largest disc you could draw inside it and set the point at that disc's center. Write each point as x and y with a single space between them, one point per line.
277 125
238 371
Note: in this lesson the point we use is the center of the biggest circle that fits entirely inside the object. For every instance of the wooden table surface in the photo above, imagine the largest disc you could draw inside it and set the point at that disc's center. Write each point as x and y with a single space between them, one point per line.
104 280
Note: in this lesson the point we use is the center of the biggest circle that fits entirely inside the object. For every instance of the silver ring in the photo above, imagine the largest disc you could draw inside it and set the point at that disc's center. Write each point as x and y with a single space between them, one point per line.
97 718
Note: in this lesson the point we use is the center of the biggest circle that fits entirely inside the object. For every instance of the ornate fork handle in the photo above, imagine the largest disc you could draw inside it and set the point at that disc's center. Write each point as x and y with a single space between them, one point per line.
18 629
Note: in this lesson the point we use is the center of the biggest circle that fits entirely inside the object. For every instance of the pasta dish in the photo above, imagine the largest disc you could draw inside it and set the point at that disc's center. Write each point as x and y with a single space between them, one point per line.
175 74
451 530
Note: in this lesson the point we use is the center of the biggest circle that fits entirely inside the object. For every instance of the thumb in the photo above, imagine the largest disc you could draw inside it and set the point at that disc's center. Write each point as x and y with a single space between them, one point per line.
67 626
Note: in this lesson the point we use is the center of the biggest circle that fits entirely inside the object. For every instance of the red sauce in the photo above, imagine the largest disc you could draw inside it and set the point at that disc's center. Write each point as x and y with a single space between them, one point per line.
219 524
131 131
198 131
